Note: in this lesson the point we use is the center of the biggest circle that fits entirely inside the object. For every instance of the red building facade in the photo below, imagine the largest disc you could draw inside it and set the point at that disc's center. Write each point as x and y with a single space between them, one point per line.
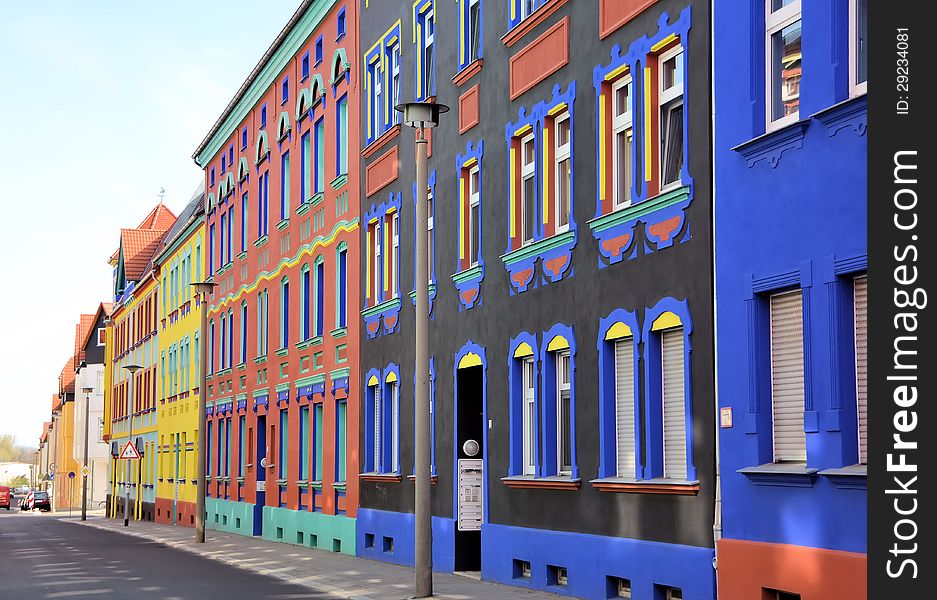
282 228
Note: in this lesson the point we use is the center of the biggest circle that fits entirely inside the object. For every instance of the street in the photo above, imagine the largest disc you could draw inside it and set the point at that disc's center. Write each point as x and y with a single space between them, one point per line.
43 556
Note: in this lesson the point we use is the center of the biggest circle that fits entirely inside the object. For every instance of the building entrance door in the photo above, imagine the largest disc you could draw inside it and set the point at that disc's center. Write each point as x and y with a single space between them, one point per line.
260 468
470 429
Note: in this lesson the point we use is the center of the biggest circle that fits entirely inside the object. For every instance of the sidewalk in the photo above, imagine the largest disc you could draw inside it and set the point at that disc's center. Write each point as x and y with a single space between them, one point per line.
337 574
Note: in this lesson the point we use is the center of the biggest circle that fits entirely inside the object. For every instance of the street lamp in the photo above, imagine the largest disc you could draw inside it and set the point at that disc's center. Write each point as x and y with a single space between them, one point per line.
422 115
84 467
132 369
202 289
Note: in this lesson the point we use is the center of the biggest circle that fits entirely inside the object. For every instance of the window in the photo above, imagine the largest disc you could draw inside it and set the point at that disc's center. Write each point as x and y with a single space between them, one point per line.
374 392
860 321
426 65
530 415
858 46
244 139
319 49
231 156
474 216
383 252
672 593
320 296
393 395
219 467
224 164
341 315
284 313
563 414
263 115
304 303
262 323
320 155
244 213
622 142
787 377
340 439
285 186
671 117
784 61
306 179
378 100
211 249
224 347
304 66
430 238
563 172
208 470
283 444
227 447
393 258
211 346
470 42
340 26
341 133
211 177
284 90
317 443
230 248
303 443
243 333
767 594
674 403
102 336
263 206
242 448
382 82
528 188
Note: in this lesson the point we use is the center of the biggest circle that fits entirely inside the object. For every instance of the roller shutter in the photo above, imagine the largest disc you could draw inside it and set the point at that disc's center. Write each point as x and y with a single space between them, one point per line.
861 317
377 428
672 371
787 377
624 407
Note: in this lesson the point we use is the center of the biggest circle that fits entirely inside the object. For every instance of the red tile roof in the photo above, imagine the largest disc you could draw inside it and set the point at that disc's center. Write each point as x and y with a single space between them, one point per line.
160 218
67 378
81 334
138 246
56 402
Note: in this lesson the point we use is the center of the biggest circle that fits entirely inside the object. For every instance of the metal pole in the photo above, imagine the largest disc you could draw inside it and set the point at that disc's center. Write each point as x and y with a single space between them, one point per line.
424 529
53 501
84 476
200 454
129 438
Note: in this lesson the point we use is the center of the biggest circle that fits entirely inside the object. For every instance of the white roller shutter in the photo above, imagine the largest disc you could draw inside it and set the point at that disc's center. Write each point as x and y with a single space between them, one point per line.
860 312
787 377
377 428
624 407
672 372
395 427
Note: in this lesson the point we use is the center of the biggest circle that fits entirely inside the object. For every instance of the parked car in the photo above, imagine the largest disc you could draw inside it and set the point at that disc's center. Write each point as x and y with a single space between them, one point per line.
6 497
37 499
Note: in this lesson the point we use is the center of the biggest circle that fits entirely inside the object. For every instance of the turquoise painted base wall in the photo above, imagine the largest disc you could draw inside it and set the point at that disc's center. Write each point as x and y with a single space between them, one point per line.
226 515
335 533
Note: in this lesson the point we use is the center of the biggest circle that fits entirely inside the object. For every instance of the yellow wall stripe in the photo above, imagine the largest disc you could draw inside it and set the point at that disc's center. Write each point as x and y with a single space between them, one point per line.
647 124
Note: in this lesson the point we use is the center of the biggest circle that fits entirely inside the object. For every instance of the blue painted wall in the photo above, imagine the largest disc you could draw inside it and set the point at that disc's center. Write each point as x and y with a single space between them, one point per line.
790 206
399 527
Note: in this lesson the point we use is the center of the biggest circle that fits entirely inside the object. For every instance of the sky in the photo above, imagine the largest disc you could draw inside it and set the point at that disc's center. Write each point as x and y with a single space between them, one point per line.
102 103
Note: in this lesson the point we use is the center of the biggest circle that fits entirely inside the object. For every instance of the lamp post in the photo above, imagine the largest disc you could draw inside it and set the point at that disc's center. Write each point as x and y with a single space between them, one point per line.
202 289
132 369
84 465
420 116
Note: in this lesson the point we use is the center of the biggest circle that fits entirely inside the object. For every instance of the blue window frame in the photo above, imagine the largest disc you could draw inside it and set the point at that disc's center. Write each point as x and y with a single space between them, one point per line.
263 115
424 15
319 49
320 155
305 300
231 156
230 250
223 242
521 9
285 185
304 68
242 444
211 177
285 90
558 409
340 25
244 138
382 85
320 296
341 137
620 412
305 183
317 442
263 206
208 453
283 444
342 282
303 443
525 406
211 249
284 313
224 163
224 339
219 464
227 447
243 333
470 32
244 213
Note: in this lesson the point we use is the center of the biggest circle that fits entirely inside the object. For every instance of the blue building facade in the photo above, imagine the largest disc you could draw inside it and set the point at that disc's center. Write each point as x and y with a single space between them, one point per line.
790 263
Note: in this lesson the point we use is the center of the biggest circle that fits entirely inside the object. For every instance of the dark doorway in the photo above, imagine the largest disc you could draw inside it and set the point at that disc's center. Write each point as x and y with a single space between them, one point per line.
260 468
470 427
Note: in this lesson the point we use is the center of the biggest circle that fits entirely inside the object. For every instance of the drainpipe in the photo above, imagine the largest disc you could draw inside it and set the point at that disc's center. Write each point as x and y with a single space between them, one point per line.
717 508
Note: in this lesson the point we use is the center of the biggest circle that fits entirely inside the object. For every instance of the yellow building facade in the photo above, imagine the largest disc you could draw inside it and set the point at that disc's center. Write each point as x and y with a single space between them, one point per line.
177 267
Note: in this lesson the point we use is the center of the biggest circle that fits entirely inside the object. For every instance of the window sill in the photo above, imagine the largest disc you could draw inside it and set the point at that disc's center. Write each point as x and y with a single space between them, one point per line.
468 71
527 25
240 480
431 293
677 487
853 477
549 483
260 241
378 143
303 208
282 352
339 486
242 255
242 366
851 113
260 359
339 182
432 480
305 344
283 224
380 477
770 146
382 307
316 485
781 474
538 247
339 333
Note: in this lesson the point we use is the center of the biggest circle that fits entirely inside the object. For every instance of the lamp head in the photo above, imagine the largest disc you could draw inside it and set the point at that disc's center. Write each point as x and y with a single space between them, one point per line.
420 115
133 368
204 287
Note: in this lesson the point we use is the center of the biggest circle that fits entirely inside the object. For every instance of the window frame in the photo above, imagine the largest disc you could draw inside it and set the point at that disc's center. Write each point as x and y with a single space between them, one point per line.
562 153
474 224
622 124
861 380
528 171
669 99
561 469
529 415
771 372
775 22
856 87
393 269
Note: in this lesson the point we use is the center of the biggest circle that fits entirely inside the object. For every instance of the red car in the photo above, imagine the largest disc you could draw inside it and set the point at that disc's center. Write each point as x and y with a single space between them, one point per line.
5 497
37 499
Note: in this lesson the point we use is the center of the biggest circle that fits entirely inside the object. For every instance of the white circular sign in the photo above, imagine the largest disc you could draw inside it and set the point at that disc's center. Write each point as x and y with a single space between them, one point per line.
470 447
263 463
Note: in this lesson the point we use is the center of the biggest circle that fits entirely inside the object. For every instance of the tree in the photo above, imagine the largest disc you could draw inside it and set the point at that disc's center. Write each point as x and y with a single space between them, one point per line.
17 481
11 452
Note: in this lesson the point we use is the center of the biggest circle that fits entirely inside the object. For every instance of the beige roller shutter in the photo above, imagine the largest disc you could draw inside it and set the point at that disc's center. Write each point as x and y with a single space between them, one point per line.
624 407
377 428
672 371
860 312
787 377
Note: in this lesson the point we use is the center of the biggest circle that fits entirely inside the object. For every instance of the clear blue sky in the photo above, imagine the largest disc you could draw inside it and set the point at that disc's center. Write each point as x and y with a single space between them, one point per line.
102 104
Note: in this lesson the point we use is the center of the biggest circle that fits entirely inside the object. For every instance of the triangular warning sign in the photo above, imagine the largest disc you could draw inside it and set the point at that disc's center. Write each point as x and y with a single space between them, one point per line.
129 451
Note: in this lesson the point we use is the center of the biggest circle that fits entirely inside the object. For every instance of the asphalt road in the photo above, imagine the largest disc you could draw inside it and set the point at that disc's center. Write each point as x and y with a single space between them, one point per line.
43 556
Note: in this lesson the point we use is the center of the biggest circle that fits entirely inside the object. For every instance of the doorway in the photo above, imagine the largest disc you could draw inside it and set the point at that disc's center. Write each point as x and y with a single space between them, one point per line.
260 468
470 431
